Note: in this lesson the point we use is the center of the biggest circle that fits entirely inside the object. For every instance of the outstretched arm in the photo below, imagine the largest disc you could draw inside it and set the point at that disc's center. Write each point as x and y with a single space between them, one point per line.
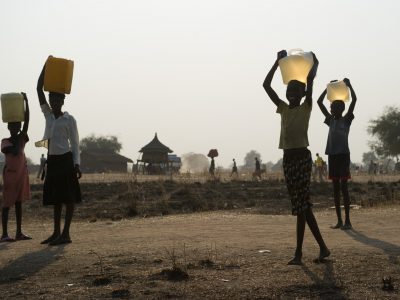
267 82
26 120
39 88
310 80
321 104
353 96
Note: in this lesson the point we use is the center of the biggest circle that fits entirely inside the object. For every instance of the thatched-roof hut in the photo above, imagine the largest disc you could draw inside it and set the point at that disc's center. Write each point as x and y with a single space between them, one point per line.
155 152
98 162
154 158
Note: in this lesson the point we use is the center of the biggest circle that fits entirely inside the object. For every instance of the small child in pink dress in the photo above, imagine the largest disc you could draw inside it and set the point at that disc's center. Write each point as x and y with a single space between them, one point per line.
15 175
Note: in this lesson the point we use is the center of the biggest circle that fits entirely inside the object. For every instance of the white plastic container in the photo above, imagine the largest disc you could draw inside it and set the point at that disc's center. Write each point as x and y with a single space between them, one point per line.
296 66
338 90
12 107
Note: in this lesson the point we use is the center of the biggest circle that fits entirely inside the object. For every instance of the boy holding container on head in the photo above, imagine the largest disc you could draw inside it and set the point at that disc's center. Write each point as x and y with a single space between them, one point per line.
297 162
337 146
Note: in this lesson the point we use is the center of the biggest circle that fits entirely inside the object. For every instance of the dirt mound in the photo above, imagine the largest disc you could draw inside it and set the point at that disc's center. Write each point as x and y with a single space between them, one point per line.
119 200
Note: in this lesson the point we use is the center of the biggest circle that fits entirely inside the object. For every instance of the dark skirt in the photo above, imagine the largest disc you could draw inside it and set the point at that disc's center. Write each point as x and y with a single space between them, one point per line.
339 166
61 184
297 167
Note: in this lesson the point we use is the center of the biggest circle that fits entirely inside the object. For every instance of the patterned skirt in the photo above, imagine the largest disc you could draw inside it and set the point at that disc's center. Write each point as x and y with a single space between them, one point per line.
297 169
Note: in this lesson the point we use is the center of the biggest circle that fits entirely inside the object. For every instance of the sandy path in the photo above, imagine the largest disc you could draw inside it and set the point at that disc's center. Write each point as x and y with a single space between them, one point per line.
230 239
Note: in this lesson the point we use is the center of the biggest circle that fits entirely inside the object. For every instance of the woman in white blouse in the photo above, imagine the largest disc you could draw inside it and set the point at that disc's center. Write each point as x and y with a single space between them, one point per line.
61 184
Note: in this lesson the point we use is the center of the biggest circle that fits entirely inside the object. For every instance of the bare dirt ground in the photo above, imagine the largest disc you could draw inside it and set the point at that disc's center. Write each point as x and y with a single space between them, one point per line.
221 254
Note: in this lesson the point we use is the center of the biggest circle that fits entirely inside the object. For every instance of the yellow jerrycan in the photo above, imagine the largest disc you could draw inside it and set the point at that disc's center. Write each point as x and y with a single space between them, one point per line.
12 107
296 65
58 75
338 90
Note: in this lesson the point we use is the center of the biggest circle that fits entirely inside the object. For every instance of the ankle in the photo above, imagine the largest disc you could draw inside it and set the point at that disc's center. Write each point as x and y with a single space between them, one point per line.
298 253
65 234
323 248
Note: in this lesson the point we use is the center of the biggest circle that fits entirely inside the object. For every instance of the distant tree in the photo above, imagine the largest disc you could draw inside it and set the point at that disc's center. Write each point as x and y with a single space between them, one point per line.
249 162
368 156
194 162
386 130
269 165
278 166
105 144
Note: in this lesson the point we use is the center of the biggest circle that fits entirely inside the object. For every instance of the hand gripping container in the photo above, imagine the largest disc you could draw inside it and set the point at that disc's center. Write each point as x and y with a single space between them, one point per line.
58 75
338 90
296 66
12 107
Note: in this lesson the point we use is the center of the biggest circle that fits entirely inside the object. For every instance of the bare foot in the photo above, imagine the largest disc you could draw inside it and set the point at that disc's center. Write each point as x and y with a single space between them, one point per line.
6 238
22 237
296 260
347 226
337 226
61 240
323 253
51 238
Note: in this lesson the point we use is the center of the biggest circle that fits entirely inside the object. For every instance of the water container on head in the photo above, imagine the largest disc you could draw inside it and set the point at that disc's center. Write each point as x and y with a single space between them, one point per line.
338 90
296 66
212 153
58 75
12 107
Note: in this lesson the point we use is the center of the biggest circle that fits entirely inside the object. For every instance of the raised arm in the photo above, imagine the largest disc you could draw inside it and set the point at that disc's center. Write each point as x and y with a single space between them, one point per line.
310 80
39 88
267 82
353 96
26 120
321 104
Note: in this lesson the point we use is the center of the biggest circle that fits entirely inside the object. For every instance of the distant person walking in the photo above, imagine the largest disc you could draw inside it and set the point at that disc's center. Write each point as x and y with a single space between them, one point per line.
212 154
15 175
297 162
212 167
234 168
41 167
258 165
61 184
257 172
337 149
319 164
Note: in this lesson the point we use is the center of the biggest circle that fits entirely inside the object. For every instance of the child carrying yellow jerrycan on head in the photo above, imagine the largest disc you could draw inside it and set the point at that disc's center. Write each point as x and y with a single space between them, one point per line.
61 186
297 162
337 147
16 187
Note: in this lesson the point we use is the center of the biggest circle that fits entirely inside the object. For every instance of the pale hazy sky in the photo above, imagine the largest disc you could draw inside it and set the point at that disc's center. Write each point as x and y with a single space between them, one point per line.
192 71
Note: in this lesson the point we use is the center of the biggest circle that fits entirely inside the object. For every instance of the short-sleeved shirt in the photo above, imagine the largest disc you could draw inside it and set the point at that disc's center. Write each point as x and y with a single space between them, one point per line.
294 125
319 162
62 133
338 134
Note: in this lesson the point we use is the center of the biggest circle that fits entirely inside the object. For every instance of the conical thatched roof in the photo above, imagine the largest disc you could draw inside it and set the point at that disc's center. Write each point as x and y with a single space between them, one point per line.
155 146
